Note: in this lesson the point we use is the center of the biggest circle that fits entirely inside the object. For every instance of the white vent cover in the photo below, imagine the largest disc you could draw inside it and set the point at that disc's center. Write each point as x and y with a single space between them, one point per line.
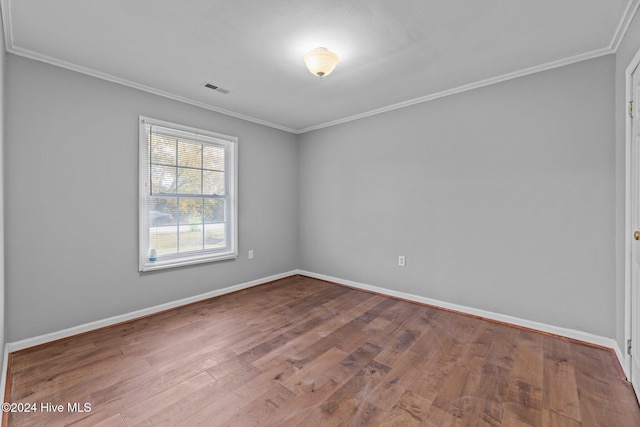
216 88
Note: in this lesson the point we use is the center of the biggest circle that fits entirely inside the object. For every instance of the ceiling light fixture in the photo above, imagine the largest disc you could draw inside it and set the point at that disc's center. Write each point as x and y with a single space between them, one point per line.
321 61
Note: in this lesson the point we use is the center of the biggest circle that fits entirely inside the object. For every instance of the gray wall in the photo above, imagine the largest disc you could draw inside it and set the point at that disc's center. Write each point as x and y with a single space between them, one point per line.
625 53
3 56
71 201
501 198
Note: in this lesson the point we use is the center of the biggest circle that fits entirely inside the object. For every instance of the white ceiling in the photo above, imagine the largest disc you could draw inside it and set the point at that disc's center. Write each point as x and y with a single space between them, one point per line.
392 53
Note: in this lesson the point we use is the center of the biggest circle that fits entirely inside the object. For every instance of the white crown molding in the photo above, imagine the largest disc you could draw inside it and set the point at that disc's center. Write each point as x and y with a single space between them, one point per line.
7 25
471 86
621 30
108 77
623 26
5 10
586 337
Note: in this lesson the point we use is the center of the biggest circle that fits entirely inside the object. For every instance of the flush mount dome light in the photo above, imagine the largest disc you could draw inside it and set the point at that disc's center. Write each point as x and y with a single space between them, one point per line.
321 61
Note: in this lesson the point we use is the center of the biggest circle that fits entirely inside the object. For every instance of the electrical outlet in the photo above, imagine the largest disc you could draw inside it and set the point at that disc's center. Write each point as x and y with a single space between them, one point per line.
251 254
401 261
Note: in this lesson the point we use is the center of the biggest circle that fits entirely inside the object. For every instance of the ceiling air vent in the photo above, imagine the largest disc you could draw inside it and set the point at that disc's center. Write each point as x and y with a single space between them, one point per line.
216 88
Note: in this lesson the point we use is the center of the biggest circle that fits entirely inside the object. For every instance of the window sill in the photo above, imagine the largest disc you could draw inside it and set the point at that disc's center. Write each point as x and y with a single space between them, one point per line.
145 265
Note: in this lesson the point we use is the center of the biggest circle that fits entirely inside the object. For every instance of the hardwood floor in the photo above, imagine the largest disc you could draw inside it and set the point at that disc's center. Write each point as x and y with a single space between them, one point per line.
301 351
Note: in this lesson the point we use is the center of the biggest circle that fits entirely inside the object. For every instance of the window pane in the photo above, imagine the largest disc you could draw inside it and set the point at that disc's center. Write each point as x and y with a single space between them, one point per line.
189 181
213 158
213 183
214 236
190 210
164 240
163 179
163 150
162 211
191 238
189 154
214 210
190 224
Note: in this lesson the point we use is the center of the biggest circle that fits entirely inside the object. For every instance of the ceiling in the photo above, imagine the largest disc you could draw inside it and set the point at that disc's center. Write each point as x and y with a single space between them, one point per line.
392 53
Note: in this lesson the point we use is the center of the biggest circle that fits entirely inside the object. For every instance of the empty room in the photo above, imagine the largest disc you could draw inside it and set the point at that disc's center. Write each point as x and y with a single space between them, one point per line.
306 213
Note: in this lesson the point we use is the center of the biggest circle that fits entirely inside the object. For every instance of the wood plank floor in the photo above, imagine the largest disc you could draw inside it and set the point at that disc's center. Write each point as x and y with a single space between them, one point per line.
301 351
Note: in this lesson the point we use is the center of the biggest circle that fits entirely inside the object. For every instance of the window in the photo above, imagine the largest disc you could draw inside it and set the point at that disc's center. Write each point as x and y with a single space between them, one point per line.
188 195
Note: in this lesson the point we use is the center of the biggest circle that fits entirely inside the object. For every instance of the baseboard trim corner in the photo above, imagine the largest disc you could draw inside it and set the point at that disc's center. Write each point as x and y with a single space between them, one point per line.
572 334
4 374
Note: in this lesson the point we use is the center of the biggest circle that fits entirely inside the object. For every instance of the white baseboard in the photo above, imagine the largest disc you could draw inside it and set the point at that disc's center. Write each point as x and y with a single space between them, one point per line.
65 333
5 366
621 359
543 327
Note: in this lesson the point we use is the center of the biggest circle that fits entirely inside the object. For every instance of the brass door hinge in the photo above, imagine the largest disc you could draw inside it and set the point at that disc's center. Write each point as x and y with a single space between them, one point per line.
631 109
628 346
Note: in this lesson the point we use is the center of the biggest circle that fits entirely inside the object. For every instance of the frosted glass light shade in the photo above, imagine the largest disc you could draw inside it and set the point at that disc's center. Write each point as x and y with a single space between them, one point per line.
321 61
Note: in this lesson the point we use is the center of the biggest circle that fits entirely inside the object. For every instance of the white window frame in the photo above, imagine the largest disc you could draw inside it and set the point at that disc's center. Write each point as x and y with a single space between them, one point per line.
230 143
